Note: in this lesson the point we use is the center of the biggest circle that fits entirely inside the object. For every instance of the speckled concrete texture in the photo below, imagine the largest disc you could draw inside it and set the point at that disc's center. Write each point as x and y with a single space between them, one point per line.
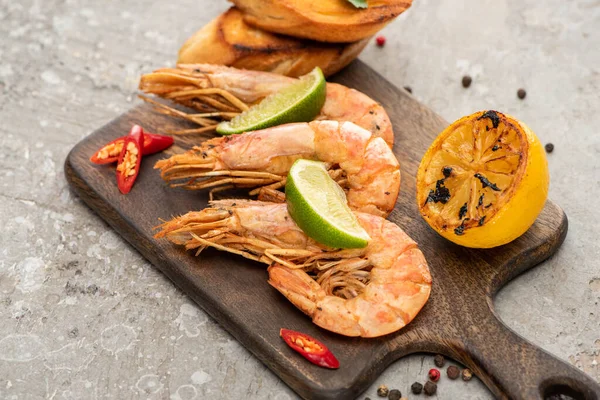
83 316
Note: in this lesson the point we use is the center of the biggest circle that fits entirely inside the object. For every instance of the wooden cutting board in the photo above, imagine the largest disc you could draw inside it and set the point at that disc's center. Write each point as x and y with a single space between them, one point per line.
459 320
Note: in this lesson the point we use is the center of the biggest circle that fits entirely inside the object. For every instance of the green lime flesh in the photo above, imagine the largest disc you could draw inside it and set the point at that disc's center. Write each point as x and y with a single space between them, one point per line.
299 102
319 206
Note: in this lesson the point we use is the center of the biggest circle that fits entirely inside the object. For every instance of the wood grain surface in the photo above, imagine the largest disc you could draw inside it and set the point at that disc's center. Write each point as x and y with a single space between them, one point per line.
459 320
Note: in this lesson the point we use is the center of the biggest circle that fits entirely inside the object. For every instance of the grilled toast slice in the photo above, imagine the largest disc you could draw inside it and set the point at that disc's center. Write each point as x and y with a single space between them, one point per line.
334 21
228 40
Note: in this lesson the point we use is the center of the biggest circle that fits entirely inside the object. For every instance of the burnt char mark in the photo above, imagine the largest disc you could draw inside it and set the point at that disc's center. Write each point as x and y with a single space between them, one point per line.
463 211
482 220
242 48
460 230
486 183
263 50
440 195
493 116
447 171
480 202
495 148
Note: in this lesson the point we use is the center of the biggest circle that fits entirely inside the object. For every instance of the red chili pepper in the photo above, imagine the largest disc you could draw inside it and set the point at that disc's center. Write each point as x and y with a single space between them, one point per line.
154 143
130 158
110 152
380 40
313 350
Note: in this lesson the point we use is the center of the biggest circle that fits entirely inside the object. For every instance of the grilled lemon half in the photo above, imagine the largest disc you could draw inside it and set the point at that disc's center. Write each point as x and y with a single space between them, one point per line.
484 180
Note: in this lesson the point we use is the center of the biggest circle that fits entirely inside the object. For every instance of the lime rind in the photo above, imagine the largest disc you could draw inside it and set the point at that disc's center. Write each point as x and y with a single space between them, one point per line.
319 206
301 101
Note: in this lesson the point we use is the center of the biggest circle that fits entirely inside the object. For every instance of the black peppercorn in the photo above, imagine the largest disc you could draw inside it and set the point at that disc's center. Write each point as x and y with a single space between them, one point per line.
549 147
408 89
416 388
466 81
439 361
430 388
383 391
521 93
453 372
466 374
394 394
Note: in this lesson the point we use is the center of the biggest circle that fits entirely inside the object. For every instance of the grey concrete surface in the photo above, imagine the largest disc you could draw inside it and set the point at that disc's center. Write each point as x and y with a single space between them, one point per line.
83 316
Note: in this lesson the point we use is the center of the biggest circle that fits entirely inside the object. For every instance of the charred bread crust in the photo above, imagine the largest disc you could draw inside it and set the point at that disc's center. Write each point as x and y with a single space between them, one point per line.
228 40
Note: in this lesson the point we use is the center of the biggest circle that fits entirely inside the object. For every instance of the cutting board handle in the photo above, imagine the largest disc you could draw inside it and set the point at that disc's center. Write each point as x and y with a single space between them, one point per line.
513 368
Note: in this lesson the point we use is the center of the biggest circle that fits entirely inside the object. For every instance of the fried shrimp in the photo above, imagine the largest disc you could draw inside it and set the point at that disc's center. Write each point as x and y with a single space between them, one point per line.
218 91
362 164
365 292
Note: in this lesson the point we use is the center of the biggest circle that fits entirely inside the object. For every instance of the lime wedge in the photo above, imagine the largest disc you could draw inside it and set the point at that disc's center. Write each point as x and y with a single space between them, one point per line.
299 102
319 206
